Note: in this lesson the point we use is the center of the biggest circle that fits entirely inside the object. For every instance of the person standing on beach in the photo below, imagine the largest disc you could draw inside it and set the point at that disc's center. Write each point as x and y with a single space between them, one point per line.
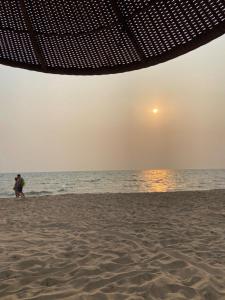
20 184
16 188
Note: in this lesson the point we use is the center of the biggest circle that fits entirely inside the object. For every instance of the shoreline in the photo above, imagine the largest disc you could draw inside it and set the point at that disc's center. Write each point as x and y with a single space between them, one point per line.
110 193
167 245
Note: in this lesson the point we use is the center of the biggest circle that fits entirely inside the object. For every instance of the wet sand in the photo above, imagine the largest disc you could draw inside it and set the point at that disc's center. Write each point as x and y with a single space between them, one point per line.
114 247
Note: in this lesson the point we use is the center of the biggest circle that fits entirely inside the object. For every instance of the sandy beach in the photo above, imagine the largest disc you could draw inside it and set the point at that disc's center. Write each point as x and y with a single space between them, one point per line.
114 246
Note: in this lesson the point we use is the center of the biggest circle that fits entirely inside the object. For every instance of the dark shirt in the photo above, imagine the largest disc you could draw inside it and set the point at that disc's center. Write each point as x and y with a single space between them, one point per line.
19 183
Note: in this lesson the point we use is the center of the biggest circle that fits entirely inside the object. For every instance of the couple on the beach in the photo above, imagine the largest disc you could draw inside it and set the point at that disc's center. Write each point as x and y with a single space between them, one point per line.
18 186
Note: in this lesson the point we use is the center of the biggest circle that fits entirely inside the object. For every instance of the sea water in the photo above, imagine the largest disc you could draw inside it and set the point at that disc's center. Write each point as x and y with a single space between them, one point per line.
51 183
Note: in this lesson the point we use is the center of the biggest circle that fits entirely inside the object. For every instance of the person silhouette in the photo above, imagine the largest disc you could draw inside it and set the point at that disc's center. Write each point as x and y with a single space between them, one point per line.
16 188
20 184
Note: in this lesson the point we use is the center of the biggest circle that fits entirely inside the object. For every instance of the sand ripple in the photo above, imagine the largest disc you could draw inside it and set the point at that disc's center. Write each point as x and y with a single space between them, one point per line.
114 247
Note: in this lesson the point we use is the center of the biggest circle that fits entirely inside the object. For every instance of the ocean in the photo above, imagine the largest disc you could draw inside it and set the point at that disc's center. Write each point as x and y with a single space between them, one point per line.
51 183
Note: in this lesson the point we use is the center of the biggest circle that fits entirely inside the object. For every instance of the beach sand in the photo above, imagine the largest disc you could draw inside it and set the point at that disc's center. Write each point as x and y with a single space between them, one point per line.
114 246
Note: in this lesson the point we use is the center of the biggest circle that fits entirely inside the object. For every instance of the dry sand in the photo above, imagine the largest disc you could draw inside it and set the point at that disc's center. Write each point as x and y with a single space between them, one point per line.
114 246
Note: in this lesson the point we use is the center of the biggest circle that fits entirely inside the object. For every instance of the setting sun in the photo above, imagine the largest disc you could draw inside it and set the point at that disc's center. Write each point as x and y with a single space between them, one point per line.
155 110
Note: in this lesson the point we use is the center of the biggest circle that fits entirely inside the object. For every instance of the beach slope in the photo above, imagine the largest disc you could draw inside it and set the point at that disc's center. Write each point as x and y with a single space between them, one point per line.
114 247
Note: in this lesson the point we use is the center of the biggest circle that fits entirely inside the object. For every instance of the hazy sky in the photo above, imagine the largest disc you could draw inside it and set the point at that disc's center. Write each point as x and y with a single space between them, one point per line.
56 122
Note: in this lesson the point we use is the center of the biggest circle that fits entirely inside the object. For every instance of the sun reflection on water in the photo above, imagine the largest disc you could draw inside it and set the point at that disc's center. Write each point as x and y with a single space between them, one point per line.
158 180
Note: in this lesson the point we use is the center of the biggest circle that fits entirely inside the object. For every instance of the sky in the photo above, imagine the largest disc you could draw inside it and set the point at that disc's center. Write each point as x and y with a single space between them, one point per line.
67 123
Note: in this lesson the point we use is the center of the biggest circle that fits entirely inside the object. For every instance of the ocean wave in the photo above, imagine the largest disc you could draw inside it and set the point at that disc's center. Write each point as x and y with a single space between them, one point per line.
131 180
3 195
95 180
61 190
36 193
90 180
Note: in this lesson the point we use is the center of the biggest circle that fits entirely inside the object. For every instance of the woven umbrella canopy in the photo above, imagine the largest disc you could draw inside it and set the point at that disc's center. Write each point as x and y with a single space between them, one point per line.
104 36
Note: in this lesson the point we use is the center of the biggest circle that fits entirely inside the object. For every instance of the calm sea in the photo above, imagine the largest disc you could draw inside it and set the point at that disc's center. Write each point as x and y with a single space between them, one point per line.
114 181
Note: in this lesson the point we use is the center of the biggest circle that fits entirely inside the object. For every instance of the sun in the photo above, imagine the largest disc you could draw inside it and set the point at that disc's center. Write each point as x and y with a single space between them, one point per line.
155 110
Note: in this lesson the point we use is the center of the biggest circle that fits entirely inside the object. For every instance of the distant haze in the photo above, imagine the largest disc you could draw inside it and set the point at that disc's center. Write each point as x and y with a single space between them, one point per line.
55 122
